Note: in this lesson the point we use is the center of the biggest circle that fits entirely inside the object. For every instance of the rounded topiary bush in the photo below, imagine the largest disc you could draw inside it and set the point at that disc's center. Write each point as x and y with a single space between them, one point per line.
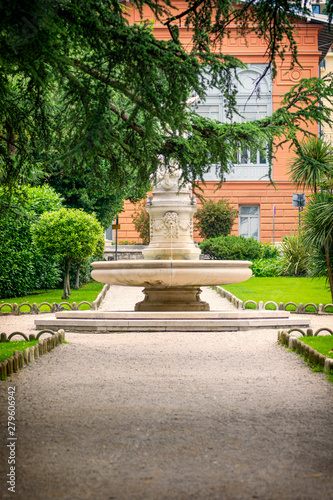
215 218
232 247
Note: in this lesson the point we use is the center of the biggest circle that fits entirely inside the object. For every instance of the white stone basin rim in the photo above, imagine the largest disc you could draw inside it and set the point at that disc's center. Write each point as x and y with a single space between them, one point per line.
171 273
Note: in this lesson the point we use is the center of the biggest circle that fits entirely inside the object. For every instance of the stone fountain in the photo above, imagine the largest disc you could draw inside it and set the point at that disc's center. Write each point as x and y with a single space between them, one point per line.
171 272
171 275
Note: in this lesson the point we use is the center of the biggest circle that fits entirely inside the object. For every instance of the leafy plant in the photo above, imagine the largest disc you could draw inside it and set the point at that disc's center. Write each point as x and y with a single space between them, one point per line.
215 218
140 219
266 268
269 251
294 255
232 247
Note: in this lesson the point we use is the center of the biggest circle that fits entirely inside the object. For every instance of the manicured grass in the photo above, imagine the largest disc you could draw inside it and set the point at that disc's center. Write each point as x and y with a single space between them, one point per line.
87 292
7 348
283 289
322 344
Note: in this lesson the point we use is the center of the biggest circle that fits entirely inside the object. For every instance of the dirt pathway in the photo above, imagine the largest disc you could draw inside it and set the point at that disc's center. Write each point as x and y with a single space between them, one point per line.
158 416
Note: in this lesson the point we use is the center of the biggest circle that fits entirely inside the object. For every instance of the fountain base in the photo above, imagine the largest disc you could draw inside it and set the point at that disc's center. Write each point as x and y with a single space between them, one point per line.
172 299
135 321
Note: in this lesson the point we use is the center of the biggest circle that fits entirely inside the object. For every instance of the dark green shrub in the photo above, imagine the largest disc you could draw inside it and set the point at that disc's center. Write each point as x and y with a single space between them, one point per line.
215 219
232 247
24 269
269 251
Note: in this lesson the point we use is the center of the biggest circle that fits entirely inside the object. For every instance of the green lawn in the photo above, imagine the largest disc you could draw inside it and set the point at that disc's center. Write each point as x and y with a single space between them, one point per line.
283 289
87 292
322 344
7 348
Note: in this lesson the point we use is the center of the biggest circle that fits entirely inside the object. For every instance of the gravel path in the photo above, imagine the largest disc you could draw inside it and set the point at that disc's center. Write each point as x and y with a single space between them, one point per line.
154 416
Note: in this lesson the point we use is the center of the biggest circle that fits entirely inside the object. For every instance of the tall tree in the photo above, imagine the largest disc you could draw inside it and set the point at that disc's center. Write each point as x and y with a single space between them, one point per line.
79 84
91 187
318 230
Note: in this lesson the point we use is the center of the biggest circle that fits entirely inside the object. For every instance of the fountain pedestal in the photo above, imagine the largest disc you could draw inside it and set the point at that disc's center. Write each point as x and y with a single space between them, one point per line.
172 299
171 213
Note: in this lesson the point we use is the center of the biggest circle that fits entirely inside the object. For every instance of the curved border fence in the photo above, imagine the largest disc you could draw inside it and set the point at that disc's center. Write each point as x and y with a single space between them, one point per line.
300 308
20 359
315 358
16 309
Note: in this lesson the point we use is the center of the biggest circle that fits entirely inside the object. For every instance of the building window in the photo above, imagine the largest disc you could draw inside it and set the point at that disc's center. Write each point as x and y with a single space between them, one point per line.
248 166
249 218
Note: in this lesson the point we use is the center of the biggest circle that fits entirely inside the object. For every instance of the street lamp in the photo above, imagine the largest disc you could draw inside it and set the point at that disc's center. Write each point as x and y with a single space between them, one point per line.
299 201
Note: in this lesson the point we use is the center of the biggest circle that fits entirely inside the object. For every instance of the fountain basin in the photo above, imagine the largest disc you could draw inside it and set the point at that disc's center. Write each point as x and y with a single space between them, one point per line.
171 285
171 273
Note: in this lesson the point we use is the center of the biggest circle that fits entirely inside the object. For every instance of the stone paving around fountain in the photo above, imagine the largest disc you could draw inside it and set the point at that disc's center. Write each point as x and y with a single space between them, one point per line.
181 416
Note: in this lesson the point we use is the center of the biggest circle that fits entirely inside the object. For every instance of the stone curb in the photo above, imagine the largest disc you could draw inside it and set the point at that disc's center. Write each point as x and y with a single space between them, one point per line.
20 359
311 355
228 295
100 297
300 308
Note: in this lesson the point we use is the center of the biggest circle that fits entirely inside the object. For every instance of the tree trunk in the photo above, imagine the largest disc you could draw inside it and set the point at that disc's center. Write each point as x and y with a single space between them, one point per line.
329 267
66 281
77 282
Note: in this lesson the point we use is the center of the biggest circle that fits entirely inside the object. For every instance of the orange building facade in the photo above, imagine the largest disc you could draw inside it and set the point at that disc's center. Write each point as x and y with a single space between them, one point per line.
248 187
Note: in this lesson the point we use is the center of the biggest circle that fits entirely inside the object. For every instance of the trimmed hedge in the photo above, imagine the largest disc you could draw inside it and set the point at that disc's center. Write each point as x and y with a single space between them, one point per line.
232 247
22 268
